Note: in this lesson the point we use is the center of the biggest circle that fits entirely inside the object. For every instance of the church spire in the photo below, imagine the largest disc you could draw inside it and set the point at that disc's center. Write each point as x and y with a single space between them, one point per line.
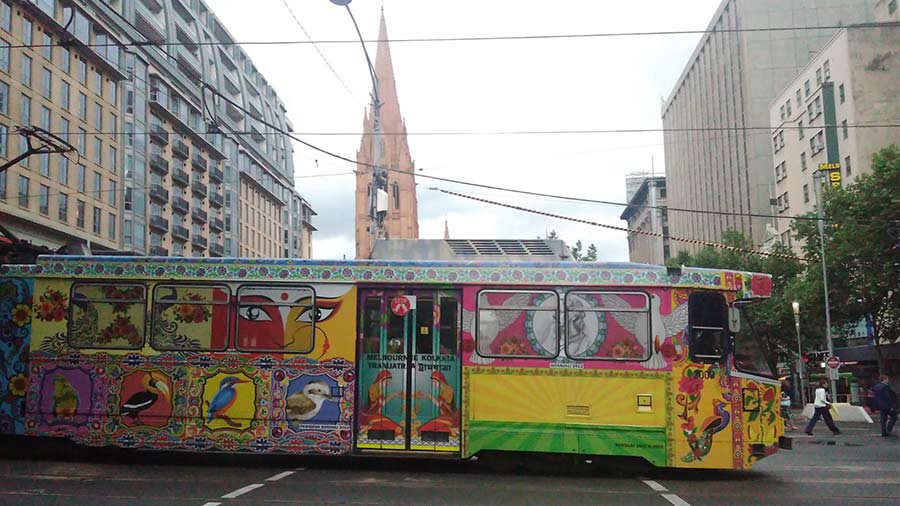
446 230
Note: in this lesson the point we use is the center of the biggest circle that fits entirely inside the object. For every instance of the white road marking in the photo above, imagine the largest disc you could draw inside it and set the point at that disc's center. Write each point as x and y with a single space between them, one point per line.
674 499
242 491
655 486
299 469
280 476
212 504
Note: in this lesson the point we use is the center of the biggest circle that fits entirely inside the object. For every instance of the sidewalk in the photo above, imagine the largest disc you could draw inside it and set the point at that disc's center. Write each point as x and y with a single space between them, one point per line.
851 432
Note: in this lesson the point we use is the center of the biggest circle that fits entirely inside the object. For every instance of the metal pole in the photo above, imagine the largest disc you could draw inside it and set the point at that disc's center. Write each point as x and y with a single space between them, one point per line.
821 213
800 360
375 227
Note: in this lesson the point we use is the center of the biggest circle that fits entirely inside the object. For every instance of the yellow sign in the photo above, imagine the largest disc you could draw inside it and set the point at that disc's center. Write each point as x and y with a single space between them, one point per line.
834 177
830 166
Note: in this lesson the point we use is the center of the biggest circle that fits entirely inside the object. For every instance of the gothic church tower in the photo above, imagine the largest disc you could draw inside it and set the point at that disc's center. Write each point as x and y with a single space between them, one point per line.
402 220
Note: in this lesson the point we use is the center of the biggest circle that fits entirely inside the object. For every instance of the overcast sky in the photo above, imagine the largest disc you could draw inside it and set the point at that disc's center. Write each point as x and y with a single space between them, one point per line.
574 84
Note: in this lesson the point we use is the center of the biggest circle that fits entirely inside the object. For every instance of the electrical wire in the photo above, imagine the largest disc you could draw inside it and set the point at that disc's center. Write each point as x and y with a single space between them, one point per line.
484 38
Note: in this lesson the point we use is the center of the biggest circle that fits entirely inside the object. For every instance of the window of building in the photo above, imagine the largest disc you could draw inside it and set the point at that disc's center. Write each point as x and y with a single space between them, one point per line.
3 185
46 83
782 113
803 161
707 325
80 178
800 129
844 129
806 87
113 159
47 49
113 123
98 183
113 93
63 169
65 59
98 214
64 91
826 69
4 56
25 110
260 309
787 203
82 142
44 200
111 227
82 71
4 138
4 98
6 15
107 316
98 150
79 214
63 207
45 118
892 6
26 70
841 93
799 99
526 336
819 76
606 325
847 166
23 191
98 117
98 83
82 106
44 164
113 193
805 193
788 108
27 31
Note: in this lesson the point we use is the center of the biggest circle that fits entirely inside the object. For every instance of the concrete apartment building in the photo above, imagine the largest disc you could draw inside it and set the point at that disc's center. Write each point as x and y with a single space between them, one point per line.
642 215
163 168
853 80
728 85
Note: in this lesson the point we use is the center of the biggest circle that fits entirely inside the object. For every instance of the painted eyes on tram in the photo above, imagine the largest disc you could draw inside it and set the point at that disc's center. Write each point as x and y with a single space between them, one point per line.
254 314
323 311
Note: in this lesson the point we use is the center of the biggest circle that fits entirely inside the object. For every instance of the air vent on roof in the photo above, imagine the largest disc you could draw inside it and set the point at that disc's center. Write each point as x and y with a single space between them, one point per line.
504 247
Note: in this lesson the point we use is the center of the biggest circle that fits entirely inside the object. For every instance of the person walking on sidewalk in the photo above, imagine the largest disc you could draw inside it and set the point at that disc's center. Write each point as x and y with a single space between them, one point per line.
886 402
822 406
786 400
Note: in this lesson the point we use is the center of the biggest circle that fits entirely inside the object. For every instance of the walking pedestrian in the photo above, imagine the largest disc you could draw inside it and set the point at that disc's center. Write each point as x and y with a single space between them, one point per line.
822 406
786 400
886 402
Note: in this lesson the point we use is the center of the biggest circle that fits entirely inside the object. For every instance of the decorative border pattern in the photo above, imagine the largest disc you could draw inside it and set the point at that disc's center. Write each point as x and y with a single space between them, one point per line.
427 272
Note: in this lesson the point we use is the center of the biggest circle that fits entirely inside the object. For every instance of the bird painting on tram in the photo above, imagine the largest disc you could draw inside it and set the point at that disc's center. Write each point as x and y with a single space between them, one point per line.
305 404
283 318
147 399
232 404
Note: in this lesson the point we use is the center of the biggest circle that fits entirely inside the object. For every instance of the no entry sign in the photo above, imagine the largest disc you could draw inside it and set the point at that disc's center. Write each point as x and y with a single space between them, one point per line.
833 362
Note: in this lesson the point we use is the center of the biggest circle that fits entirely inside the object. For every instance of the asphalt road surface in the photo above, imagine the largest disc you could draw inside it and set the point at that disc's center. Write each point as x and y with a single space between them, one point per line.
858 468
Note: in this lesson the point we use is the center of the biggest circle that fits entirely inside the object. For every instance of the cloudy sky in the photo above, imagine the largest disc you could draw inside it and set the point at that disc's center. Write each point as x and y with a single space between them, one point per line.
486 86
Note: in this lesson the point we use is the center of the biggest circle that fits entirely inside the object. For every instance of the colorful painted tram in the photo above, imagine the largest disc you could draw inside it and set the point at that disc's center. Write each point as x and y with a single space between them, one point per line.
409 358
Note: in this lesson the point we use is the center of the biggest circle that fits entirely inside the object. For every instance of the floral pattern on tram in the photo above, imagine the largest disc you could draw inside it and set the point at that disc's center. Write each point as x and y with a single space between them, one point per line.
15 332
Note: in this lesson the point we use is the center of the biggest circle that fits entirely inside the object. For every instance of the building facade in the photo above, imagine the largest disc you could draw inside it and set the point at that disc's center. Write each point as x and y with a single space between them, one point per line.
718 151
182 151
852 82
643 214
401 220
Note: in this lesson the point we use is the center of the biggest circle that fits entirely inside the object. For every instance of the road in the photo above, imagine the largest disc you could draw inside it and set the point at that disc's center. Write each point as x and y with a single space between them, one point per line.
856 469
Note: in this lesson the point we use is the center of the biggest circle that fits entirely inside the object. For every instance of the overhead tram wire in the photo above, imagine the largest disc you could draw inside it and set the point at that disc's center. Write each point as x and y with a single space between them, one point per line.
623 229
485 38
316 47
486 186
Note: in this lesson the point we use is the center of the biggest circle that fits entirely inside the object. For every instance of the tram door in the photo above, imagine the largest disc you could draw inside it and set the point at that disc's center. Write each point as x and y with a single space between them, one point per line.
409 371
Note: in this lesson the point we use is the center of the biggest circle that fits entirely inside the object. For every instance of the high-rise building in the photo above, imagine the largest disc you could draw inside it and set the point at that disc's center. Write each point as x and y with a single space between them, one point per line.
401 220
180 142
717 144
852 82
648 238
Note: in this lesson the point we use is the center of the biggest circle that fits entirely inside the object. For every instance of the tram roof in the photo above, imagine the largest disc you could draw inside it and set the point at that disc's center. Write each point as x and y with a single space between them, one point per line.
481 272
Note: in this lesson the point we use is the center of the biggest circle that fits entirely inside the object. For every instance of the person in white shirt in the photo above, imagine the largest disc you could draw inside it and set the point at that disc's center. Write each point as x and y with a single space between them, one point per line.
821 404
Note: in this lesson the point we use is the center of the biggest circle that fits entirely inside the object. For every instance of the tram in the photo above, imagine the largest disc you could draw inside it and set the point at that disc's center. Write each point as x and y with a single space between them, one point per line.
413 359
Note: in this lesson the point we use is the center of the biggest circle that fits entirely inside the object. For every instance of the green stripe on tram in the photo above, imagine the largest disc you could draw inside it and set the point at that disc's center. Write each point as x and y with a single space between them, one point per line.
646 442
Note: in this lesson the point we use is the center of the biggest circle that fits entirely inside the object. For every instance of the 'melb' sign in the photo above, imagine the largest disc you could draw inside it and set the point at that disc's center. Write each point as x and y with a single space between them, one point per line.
834 173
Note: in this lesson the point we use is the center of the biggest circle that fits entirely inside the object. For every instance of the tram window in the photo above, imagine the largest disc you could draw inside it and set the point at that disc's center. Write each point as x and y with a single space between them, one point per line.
107 316
518 324
278 319
707 323
190 317
396 334
608 325
372 325
449 318
424 326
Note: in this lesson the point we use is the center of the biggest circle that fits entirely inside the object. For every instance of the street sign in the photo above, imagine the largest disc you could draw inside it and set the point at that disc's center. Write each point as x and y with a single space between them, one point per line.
830 166
833 374
833 362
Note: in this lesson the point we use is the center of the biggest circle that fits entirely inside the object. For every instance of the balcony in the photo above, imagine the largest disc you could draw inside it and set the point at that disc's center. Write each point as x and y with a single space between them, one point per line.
179 232
159 164
198 189
180 177
216 250
199 163
233 112
181 150
180 204
153 5
158 251
216 175
200 216
188 62
159 223
159 194
217 224
199 241
216 199
159 135
148 23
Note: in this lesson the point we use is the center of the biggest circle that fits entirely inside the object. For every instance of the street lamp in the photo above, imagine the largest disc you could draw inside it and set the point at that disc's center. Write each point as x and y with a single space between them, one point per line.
378 195
796 307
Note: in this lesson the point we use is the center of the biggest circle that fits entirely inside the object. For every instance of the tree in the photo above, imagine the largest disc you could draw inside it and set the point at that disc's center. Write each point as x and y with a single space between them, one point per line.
587 256
862 249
